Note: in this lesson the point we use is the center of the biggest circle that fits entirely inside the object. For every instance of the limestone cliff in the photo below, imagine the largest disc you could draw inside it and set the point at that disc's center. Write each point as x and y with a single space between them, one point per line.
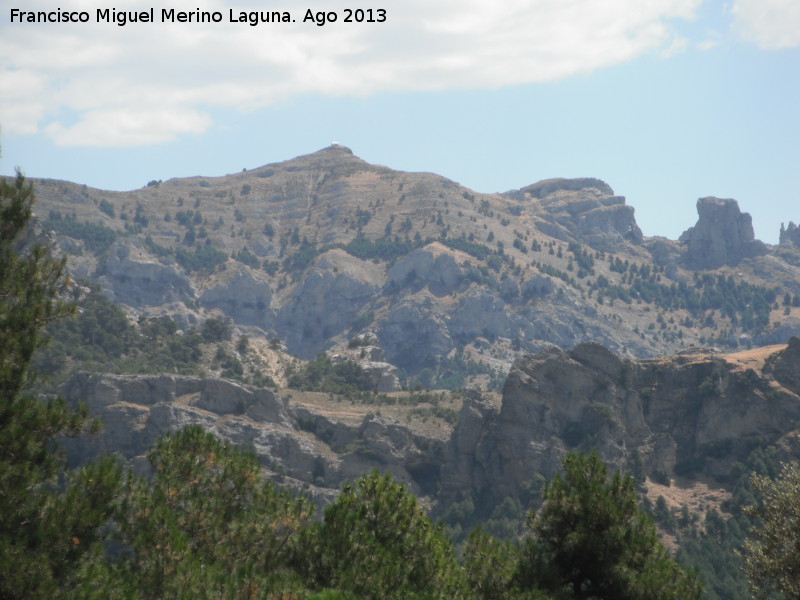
584 209
690 414
693 413
132 276
299 444
242 294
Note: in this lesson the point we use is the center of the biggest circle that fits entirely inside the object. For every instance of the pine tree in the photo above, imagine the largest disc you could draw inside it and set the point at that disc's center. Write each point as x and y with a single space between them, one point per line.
205 525
771 557
590 540
377 543
489 565
49 519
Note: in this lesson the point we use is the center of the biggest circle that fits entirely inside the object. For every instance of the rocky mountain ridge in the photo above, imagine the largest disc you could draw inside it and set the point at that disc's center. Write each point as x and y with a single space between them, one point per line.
691 414
324 247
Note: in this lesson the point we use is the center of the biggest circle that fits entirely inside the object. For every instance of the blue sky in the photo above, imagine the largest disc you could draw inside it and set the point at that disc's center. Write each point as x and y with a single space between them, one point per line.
666 100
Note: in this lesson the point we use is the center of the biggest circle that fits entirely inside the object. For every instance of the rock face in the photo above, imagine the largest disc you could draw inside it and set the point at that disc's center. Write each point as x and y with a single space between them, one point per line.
432 266
790 236
326 302
480 313
693 413
783 366
412 329
687 414
243 295
292 440
132 276
137 410
722 235
553 401
582 209
470 455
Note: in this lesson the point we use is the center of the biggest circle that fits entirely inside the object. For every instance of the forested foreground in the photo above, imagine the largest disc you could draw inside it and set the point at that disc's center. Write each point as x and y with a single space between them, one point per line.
202 522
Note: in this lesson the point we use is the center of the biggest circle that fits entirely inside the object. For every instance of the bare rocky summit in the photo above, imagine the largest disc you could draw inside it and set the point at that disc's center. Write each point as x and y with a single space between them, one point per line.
585 209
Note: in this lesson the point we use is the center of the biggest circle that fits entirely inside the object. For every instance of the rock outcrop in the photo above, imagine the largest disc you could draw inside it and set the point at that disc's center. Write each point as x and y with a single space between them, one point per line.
432 266
292 440
326 301
480 313
722 235
790 236
542 189
242 294
691 413
783 366
471 454
137 410
131 275
583 209
383 375
412 329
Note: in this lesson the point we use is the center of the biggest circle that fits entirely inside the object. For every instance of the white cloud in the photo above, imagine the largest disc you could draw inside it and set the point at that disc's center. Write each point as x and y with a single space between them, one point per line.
771 24
134 126
148 83
21 102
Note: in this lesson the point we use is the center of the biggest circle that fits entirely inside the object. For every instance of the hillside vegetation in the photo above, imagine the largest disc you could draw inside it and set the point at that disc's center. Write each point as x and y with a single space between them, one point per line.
337 318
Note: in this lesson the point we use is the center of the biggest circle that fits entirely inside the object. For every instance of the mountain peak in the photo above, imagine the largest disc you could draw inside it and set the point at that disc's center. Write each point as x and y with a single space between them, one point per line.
334 149
544 188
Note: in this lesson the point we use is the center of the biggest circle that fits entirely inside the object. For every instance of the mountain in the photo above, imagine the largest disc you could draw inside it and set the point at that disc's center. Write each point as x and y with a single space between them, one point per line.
692 415
323 247
306 309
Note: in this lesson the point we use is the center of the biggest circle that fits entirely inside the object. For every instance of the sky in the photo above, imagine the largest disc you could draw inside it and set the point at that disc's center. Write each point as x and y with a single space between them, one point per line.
665 100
